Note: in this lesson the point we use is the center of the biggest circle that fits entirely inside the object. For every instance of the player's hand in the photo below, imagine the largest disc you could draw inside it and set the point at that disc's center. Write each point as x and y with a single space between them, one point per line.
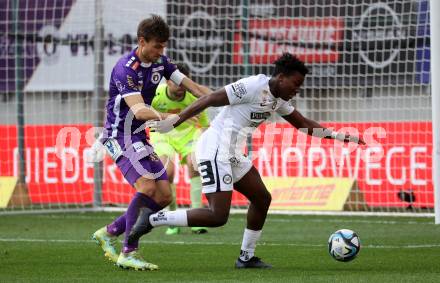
163 126
354 139
96 153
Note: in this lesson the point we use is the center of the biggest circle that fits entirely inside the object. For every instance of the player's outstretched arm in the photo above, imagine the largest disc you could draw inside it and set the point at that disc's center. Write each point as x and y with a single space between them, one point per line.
140 110
216 98
196 89
315 129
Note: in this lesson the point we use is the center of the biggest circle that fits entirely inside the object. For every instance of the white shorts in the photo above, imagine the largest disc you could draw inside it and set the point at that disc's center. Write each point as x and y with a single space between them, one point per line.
218 171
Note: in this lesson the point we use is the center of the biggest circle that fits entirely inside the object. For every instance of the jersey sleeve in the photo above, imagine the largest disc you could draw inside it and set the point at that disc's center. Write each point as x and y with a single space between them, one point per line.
241 91
168 67
126 80
285 109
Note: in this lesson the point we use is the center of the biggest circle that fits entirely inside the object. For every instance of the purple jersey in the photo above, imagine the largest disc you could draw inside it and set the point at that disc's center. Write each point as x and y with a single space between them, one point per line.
131 76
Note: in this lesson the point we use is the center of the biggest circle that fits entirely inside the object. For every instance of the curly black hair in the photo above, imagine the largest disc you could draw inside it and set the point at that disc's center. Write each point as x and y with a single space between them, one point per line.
288 64
154 27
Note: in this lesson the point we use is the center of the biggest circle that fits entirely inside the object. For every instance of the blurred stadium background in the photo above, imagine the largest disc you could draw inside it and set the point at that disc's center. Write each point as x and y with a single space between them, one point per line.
370 71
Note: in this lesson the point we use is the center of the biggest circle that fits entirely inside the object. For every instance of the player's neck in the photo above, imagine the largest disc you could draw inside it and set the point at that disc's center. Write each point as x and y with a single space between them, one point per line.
272 88
139 55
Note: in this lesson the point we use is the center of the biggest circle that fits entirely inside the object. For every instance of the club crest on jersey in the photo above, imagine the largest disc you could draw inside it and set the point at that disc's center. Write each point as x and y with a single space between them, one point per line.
227 179
238 89
155 77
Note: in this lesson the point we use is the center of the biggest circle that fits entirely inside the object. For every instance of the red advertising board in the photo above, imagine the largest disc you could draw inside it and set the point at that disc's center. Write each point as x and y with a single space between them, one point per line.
398 157
268 38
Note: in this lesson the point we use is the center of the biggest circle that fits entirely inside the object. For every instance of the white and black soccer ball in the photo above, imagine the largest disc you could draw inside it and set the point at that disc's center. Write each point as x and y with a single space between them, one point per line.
344 245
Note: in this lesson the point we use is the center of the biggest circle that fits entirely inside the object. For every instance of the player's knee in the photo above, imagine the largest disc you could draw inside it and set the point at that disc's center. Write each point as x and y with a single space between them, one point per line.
145 188
218 222
220 219
268 199
264 200
166 199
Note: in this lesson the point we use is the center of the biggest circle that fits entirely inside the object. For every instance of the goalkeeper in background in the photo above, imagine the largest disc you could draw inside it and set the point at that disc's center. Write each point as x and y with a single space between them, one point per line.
171 98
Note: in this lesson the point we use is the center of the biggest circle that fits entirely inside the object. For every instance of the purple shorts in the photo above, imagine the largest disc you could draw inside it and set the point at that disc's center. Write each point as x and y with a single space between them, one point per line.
149 167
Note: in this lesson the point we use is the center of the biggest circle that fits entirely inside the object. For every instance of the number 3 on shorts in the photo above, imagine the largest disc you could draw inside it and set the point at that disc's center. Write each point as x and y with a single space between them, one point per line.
206 173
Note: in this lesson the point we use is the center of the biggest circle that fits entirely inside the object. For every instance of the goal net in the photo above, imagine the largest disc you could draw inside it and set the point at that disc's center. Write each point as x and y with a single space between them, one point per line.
369 75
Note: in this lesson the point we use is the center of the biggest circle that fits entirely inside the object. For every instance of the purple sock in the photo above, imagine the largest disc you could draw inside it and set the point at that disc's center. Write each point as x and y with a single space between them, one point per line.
118 226
139 200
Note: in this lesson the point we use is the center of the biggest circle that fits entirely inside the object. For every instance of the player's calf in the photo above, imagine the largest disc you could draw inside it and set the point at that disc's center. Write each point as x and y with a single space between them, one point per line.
142 225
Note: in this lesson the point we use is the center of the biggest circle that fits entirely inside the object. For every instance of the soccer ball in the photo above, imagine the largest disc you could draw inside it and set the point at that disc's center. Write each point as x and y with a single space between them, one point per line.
344 245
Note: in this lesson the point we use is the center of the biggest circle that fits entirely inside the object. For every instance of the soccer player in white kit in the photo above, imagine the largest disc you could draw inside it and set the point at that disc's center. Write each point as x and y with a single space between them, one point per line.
221 163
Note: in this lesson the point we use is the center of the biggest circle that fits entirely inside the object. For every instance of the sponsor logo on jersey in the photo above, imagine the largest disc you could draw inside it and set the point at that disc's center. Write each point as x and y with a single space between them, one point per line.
238 89
260 116
155 77
119 85
157 69
130 82
234 161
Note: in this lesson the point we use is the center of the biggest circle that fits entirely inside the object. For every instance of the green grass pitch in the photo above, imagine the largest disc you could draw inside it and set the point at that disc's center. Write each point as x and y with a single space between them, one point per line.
58 248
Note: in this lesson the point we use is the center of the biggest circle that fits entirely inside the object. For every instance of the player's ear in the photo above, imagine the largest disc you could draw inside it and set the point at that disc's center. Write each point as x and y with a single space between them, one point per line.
281 78
141 41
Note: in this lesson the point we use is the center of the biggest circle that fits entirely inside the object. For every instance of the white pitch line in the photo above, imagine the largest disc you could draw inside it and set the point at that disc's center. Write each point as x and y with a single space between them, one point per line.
411 246
353 221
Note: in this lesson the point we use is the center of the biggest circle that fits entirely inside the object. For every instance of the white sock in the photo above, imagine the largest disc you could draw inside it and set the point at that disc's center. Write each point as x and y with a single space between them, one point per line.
170 218
250 238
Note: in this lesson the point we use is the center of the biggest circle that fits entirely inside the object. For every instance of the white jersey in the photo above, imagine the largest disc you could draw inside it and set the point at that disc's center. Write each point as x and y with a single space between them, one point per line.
250 104
220 148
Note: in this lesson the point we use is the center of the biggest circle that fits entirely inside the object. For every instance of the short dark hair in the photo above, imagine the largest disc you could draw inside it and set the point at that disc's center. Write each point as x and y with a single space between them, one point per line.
153 27
288 64
183 68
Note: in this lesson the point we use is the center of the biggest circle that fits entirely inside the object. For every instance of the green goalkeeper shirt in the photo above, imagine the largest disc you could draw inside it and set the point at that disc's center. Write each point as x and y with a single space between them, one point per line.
187 131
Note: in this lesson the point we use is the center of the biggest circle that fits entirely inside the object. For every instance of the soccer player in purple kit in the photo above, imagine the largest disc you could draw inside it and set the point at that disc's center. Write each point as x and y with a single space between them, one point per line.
133 83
